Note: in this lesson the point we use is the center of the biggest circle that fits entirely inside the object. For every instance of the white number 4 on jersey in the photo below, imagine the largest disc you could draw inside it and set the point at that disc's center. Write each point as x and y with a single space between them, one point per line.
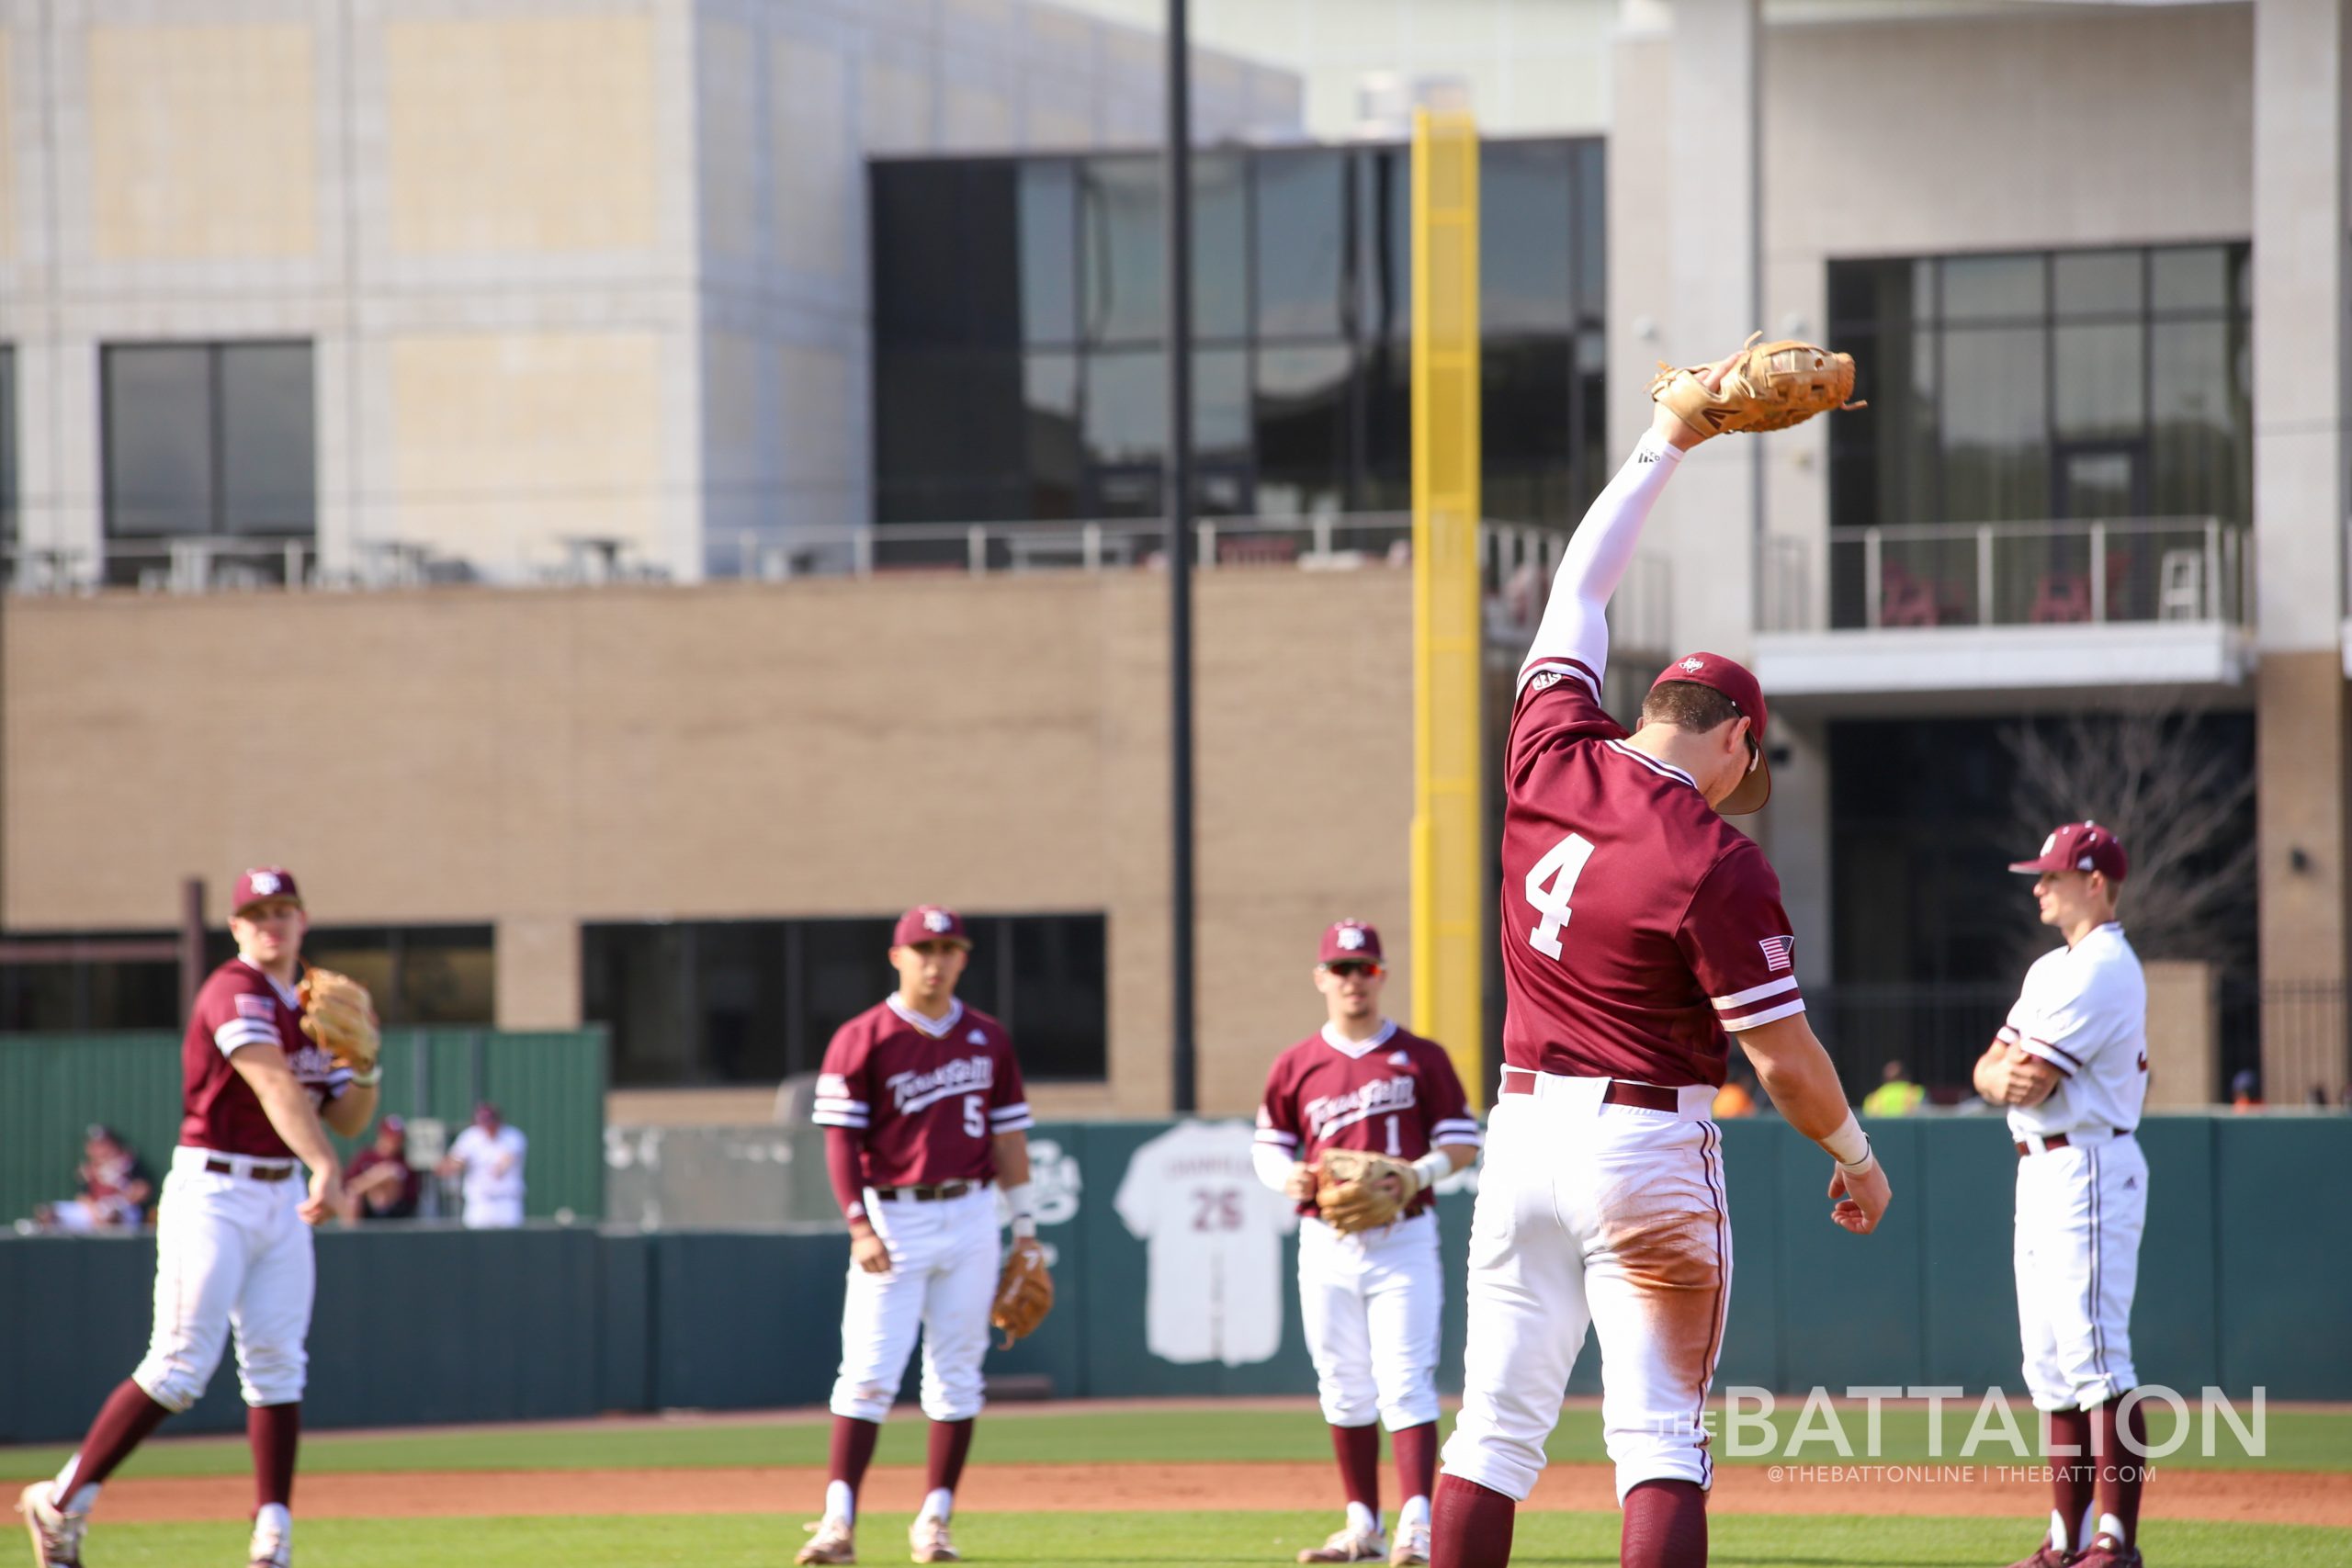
1551 883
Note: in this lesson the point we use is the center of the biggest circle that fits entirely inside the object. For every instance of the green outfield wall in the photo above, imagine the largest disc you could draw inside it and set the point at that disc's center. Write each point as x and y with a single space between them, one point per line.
2243 1277
551 1084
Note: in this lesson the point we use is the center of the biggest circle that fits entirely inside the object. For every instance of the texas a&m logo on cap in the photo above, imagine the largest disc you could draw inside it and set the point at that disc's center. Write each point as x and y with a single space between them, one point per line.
1691 666
928 922
1350 939
263 882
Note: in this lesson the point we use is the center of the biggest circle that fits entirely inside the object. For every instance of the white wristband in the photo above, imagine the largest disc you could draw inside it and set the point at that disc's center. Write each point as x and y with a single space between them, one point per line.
1024 1201
1433 1168
1849 1145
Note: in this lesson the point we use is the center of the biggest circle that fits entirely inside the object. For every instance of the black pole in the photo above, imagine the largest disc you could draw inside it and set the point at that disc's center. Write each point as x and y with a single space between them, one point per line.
1176 181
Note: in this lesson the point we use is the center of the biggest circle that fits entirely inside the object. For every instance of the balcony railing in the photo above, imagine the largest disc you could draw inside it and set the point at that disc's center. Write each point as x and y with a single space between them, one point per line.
2010 574
1516 560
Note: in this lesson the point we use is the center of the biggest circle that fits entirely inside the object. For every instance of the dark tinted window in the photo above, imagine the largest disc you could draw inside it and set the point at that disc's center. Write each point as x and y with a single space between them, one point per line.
2069 384
755 1001
1302 320
209 438
8 444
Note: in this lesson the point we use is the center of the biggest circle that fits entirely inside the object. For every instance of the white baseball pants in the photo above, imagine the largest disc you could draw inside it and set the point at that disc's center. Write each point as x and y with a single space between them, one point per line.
942 1281
1598 1214
2080 1212
232 1254
1369 1304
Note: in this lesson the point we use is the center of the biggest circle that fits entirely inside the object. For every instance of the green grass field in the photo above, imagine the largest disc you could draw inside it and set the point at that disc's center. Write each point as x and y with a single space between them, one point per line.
2298 1441
1110 1540
2294 1439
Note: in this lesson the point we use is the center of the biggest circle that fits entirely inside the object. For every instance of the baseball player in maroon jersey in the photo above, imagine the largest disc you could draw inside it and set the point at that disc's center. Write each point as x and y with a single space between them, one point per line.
921 1103
1641 933
232 1239
1370 1302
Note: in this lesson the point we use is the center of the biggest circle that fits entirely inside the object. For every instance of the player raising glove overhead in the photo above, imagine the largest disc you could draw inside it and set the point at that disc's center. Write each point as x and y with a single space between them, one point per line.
1360 1122
1641 933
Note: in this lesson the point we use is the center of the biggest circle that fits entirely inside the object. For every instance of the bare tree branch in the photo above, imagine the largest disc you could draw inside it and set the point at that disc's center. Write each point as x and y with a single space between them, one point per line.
2179 805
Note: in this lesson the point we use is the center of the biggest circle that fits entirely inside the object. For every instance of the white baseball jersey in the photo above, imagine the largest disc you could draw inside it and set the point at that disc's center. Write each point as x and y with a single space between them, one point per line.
2085 1011
1213 1234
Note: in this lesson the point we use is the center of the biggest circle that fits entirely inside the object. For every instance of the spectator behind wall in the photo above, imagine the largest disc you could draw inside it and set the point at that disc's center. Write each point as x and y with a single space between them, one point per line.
115 1187
488 1156
1896 1095
380 1184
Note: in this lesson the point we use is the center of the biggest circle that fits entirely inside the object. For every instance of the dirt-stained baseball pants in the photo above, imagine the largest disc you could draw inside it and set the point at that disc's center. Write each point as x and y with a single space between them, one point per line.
1600 1214
232 1254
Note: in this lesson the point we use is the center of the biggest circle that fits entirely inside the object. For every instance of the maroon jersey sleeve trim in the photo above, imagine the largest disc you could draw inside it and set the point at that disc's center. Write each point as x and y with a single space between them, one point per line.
836 1107
1461 1130
1012 1118
242 1031
1535 667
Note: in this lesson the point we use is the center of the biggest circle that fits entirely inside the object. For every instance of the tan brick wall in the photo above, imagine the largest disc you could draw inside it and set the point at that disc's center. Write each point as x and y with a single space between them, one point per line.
520 134
203 142
816 748
502 442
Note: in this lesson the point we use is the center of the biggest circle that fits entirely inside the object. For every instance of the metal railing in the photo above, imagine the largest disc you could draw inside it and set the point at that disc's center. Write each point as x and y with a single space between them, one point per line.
2010 574
1516 560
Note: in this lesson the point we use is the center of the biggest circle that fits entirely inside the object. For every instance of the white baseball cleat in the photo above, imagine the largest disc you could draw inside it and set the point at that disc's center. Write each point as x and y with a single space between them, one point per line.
57 1535
832 1542
1412 1545
1349 1546
928 1537
271 1547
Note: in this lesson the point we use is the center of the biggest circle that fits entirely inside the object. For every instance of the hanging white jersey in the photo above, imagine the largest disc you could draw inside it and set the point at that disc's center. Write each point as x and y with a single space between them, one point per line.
1213 1234
2085 1011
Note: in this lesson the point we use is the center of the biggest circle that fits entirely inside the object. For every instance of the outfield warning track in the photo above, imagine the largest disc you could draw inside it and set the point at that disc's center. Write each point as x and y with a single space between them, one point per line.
2242 1495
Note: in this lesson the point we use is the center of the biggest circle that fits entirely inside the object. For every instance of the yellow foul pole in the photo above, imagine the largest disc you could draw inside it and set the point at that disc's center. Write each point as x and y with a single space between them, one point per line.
1449 843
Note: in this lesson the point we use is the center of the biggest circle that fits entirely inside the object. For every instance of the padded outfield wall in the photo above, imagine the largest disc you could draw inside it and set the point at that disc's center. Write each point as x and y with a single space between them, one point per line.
2241 1287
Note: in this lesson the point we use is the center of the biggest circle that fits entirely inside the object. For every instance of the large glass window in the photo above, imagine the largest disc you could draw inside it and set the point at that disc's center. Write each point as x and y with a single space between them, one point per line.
1302 307
756 1001
417 976
2066 385
8 444
209 439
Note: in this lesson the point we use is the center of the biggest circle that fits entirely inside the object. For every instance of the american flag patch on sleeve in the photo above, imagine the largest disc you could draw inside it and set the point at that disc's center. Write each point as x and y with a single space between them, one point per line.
250 1005
1778 952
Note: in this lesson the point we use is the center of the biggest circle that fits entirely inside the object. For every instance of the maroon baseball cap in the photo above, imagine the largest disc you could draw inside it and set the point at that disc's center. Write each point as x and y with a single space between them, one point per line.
263 882
2078 846
1732 679
928 922
1350 940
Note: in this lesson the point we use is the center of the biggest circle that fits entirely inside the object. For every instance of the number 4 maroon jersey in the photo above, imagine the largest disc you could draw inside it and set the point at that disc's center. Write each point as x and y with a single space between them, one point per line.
1393 1094
926 1094
1638 926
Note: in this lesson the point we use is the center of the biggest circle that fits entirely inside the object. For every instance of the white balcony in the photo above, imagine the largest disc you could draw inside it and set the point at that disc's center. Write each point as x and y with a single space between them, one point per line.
2056 606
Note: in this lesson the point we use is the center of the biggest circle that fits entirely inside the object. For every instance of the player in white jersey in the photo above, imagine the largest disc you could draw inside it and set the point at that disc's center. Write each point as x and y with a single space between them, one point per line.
2072 1065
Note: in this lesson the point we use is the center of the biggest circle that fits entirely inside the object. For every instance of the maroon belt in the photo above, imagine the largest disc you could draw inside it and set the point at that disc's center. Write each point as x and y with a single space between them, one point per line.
219 1166
2057 1141
1648 1096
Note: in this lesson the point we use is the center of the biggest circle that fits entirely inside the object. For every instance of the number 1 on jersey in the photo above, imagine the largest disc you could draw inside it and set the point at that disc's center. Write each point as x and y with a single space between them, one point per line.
1560 867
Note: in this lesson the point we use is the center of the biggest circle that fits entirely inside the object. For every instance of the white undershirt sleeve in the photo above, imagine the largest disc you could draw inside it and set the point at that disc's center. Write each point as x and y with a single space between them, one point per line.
1575 618
1273 1164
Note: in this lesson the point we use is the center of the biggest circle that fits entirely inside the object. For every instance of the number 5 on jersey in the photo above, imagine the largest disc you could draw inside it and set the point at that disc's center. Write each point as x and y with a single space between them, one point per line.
1551 883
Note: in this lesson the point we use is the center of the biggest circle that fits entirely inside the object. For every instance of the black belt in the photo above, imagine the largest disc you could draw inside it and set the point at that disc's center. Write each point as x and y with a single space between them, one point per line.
1648 1096
220 1166
2058 1141
928 1194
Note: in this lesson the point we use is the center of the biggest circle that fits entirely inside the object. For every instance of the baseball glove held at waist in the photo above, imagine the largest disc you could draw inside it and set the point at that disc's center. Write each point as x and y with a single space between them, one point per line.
340 1017
1768 386
1025 1291
1362 1191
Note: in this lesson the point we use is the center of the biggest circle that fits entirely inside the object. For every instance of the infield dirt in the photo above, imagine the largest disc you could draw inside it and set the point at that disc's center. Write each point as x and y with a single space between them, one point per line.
2253 1497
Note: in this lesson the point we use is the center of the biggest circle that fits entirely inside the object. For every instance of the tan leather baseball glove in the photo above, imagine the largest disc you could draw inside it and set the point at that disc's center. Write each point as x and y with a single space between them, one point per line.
1025 1291
340 1017
1363 1191
1768 386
